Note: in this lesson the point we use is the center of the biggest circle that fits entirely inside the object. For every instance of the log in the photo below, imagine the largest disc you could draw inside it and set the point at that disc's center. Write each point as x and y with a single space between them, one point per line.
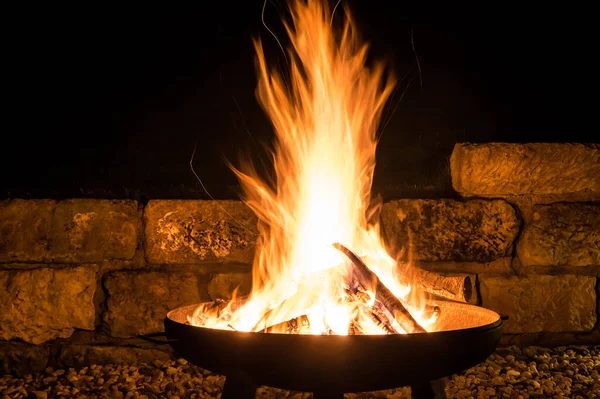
382 293
379 317
375 313
352 329
265 321
457 288
275 316
297 325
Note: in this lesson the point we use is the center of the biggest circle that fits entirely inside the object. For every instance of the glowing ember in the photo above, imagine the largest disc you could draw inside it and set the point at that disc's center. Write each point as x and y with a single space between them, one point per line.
325 117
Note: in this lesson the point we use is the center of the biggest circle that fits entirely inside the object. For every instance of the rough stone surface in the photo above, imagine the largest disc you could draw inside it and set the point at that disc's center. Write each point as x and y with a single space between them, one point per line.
445 230
561 234
25 229
139 301
85 355
541 303
87 230
42 304
71 231
222 285
19 358
189 232
504 169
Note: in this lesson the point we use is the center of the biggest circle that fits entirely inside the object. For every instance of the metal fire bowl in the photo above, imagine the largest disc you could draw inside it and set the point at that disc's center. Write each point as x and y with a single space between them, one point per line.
356 363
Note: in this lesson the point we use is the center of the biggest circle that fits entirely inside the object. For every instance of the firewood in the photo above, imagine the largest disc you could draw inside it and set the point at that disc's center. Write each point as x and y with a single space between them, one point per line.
457 288
352 329
381 320
382 293
374 312
297 325
276 315
264 323
273 316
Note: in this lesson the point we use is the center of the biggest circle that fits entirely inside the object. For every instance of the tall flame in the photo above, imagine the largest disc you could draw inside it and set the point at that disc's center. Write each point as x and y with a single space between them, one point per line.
325 117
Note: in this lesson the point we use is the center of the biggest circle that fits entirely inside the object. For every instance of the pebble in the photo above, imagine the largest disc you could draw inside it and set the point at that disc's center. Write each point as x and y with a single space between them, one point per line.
510 372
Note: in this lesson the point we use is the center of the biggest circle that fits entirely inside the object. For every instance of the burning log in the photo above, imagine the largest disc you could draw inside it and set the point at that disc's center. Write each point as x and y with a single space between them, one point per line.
273 318
352 329
380 319
457 288
262 325
375 313
297 325
382 293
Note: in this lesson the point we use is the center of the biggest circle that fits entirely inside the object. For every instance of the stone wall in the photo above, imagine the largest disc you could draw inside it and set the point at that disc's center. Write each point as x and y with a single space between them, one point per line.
81 278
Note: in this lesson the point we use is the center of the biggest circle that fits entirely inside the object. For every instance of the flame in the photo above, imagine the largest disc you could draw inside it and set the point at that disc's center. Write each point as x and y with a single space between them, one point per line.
325 116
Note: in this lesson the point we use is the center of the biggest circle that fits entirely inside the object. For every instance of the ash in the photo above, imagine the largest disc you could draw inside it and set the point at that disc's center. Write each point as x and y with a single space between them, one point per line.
512 372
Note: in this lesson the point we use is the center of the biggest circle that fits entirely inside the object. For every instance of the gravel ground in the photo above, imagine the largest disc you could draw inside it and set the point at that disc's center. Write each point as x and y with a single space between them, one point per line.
565 372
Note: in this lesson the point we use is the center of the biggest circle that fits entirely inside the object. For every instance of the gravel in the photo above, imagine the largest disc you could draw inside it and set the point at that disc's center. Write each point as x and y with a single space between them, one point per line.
512 372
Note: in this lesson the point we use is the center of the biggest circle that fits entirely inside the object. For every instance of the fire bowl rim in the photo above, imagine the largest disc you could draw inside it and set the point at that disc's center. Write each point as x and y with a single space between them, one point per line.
489 326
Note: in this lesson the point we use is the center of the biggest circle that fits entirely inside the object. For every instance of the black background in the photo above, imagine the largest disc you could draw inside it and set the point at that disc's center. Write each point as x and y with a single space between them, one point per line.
108 102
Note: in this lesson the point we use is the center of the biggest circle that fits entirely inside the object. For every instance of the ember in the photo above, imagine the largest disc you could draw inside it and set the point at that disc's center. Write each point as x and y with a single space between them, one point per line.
325 116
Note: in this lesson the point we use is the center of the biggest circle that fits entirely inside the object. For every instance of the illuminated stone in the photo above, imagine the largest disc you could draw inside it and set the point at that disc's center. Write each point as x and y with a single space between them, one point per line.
561 235
537 303
191 232
566 171
71 231
139 301
47 303
448 230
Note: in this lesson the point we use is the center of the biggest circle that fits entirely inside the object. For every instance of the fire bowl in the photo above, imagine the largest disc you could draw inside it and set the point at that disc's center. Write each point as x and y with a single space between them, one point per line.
330 365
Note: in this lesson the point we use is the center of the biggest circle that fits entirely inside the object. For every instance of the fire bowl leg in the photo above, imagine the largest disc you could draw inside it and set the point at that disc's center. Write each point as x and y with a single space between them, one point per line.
429 390
239 386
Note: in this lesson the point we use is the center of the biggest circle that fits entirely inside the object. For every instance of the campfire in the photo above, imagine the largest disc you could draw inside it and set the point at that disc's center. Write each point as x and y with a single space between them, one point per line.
321 266
327 298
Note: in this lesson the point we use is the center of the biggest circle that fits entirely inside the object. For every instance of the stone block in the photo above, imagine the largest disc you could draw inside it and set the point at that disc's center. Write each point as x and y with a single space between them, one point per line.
43 304
449 230
192 232
139 301
89 230
561 234
25 227
71 231
567 170
536 303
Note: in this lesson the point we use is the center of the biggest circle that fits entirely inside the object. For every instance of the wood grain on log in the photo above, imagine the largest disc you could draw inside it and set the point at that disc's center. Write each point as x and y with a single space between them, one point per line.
382 293
457 288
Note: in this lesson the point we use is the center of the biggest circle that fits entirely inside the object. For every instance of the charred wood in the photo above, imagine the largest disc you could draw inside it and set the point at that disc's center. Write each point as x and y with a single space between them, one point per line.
375 312
382 293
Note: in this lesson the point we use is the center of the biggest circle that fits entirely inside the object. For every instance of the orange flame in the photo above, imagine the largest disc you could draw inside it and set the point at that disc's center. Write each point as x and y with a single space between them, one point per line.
325 118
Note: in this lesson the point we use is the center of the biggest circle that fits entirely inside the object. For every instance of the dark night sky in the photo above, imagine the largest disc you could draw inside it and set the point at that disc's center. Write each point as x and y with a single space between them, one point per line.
110 102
